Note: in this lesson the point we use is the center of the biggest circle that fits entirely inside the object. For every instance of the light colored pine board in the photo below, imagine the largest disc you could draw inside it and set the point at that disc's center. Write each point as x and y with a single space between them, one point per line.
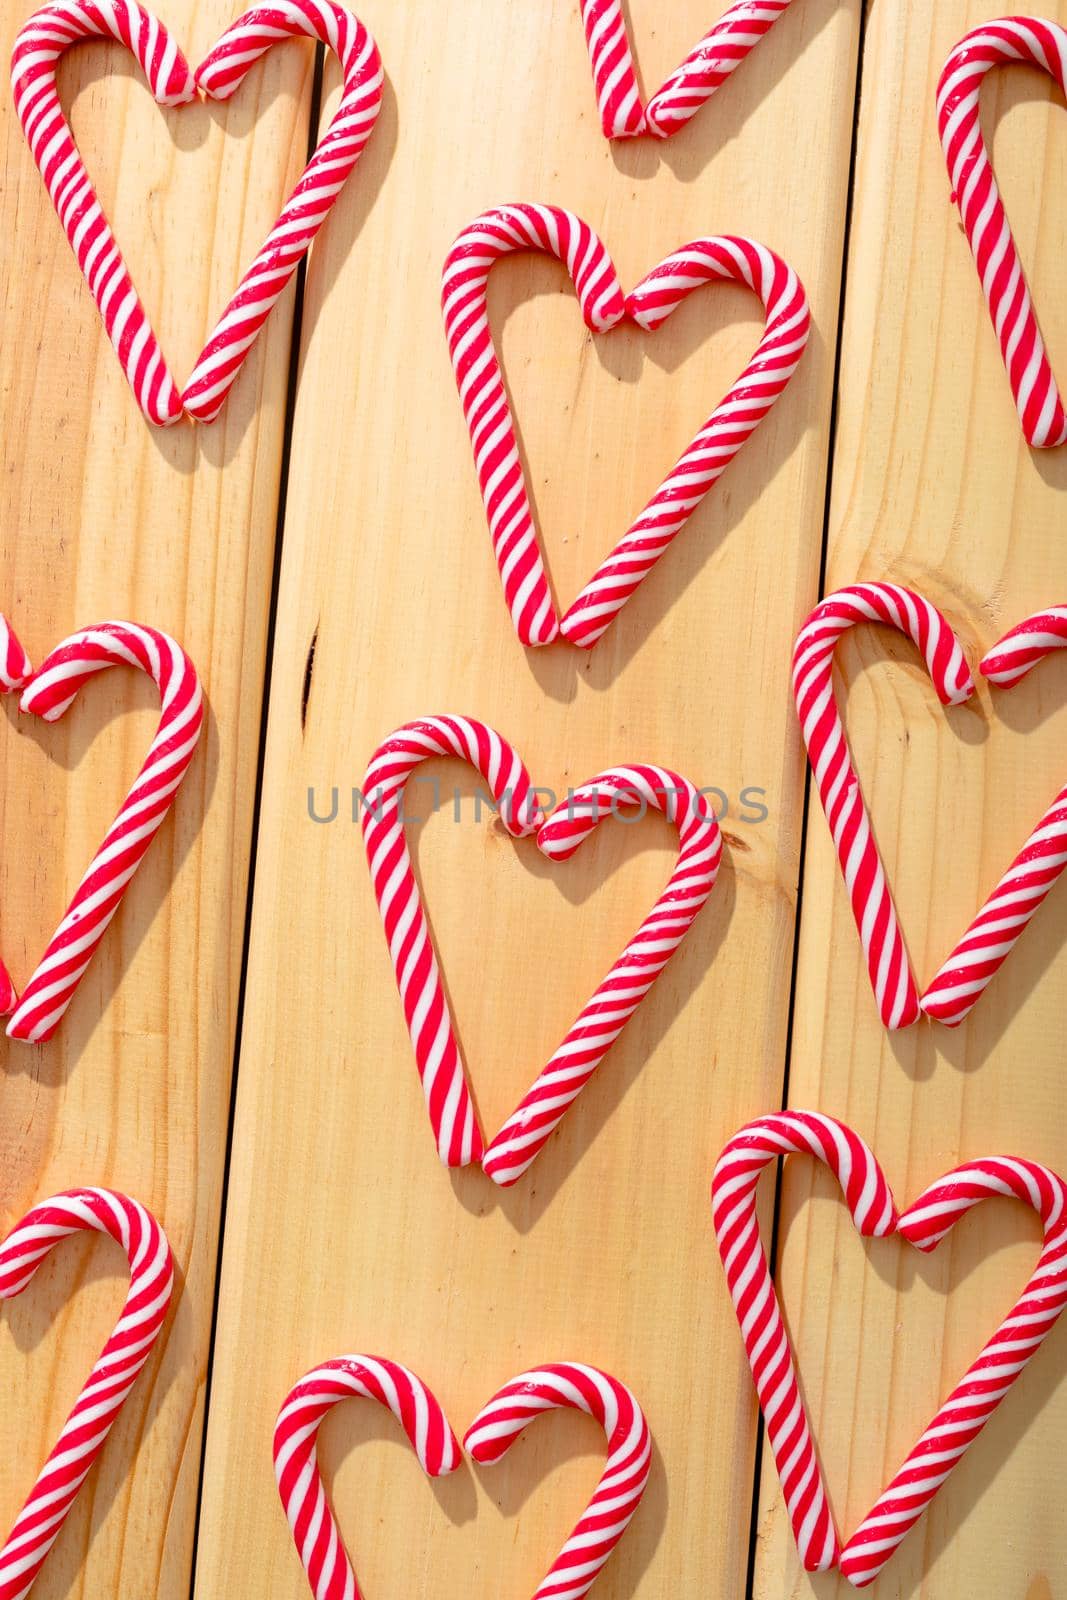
101 516
343 1231
934 487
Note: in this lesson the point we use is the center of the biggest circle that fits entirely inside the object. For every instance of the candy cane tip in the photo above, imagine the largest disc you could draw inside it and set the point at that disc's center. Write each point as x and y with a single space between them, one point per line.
166 413
199 410
15 667
653 126
8 993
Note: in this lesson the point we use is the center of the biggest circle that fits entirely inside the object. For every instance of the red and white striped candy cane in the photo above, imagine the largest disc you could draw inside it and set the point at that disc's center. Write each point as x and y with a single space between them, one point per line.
322 181
448 1100
924 1224
49 693
733 1197
1007 40
572 1385
491 425
733 421
502 232
839 788
40 43
988 1379
612 794
303 1494
38 47
618 94
706 68
1036 869
136 1332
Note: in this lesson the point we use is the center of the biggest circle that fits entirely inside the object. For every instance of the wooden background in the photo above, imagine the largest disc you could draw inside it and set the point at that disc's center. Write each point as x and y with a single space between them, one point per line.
349 496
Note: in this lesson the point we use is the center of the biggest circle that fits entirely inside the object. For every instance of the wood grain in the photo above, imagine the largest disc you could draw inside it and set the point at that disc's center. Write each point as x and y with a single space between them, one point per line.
934 487
102 516
343 1231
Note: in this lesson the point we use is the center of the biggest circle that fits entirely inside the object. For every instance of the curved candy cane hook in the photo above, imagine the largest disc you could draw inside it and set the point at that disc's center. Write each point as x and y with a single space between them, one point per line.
136 1332
603 1018
1005 41
303 1494
49 693
572 1385
839 788
437 1053
993 934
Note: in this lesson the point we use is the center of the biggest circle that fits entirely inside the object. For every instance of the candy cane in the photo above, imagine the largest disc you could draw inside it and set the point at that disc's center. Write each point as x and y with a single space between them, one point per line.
437 1052
603 1018
1038 43
303 1494
733 421
491 426
924 1224
572 1385
429 1020
494 234
323 179
706 68
839 789
38 47
103 1396
748 1276
49 693
988 1379
1036 869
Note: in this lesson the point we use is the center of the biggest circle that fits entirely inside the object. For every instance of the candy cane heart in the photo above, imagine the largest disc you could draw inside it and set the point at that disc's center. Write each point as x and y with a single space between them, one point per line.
842 799
705 69
611 794
487 410
86 1430
1036 870
924 1224
574 1386
63 23
437 1052
303 1494
49 693
1032 42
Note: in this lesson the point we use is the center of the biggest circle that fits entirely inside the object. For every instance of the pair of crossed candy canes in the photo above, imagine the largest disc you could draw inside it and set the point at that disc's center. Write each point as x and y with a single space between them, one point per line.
63 23
923 1224
49 693
557 1386
995 930
706 68
602 1019
135 1334
505 494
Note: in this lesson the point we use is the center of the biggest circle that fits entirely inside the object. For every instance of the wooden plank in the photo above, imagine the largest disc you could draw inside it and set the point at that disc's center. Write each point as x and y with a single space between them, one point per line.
343 1232
102 516
934 487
